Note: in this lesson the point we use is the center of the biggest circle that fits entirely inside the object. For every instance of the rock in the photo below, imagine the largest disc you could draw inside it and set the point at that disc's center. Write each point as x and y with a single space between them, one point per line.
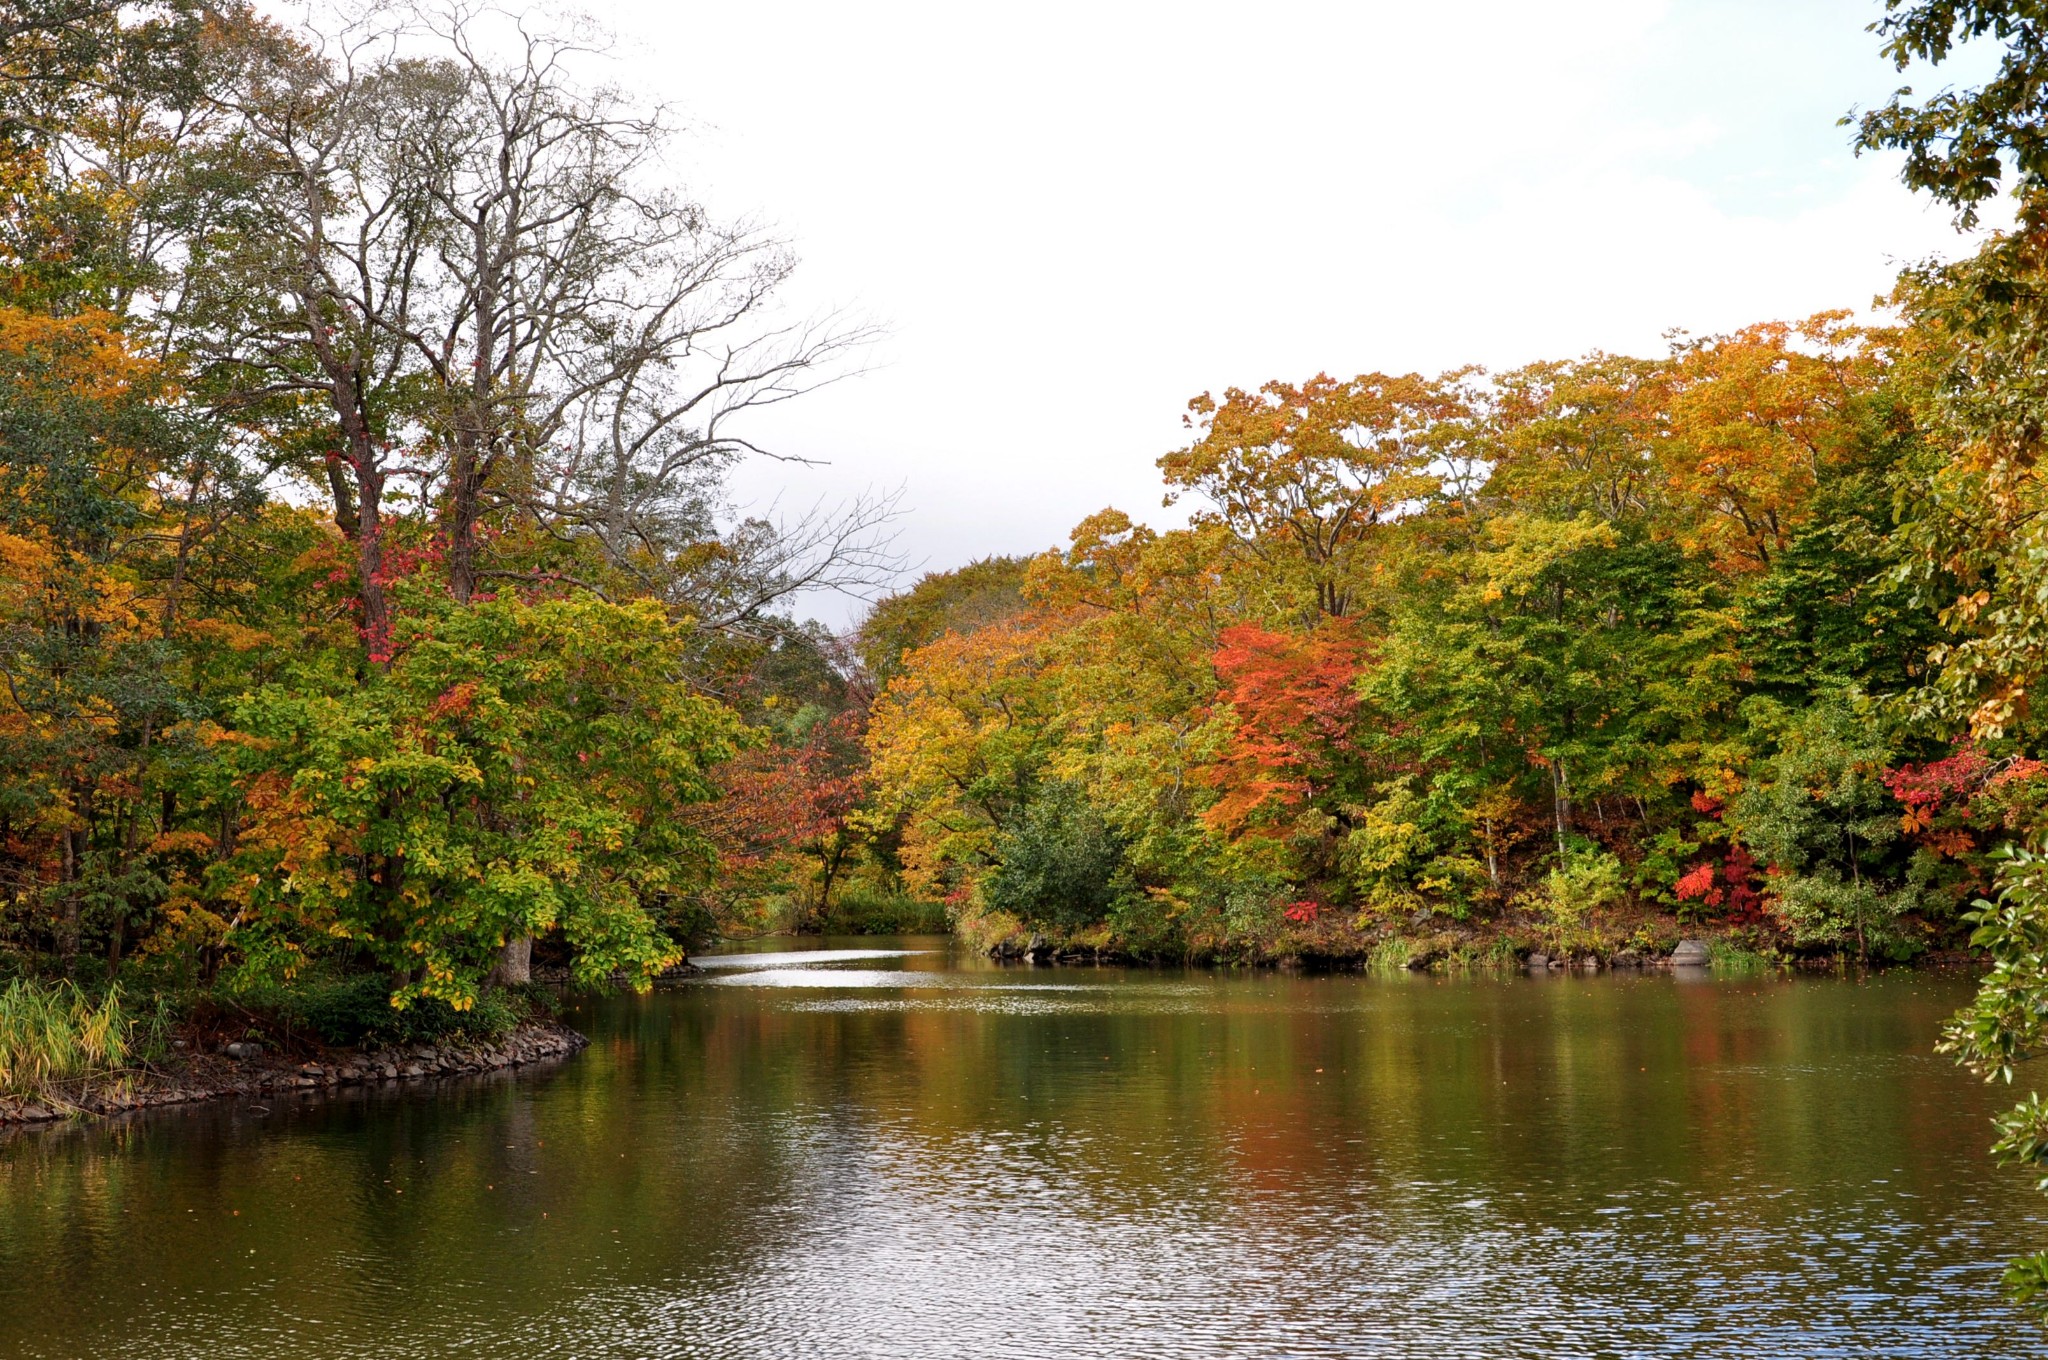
530 1044
1539 963
1689 954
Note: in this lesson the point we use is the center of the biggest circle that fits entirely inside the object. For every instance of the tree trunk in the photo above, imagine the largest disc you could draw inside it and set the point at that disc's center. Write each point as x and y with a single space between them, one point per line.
515 963
346 518
359 515
68 929
465 497
475 447
1561 802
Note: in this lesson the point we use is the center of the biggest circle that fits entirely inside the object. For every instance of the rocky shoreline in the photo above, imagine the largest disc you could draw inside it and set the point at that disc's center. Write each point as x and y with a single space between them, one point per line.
1433 953
255 1071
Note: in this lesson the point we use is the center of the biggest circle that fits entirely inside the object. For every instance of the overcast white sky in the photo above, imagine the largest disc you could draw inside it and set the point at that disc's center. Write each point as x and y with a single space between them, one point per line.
1074 216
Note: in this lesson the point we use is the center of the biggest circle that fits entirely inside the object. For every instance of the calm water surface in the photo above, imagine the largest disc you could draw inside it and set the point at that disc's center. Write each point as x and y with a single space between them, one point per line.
856 1152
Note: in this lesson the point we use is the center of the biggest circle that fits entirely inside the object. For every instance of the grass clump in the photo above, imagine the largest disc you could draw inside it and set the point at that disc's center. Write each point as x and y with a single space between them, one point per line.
865 909
53 1035
1732 960
1390 957
1497 960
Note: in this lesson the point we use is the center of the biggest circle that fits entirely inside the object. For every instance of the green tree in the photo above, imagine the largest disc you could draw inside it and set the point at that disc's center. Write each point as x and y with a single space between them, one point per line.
1957 142
1818 812
1060 865
516 769
2007 1024
987 590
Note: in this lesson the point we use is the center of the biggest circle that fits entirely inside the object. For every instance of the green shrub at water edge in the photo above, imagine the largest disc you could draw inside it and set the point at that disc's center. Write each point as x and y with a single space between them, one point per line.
860 908
1062 867
1498 959
357 1010
2007 1024
1586 880
1390 957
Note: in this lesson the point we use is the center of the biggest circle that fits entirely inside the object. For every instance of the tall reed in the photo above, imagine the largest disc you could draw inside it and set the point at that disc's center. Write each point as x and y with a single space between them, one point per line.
53 1034
1390 958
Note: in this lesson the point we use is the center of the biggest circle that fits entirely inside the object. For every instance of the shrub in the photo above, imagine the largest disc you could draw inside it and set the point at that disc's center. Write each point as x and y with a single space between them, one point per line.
1391 958
1062 866
863 908
1732 960
1819 813
2006 1024
1582 884
357 1010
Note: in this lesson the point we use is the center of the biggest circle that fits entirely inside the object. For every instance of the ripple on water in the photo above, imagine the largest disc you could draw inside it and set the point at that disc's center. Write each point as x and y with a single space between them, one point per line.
891 978
851 1153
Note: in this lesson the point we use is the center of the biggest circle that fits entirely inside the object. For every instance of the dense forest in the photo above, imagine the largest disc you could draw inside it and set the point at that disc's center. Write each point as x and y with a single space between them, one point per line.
375 617
1583 652
372 603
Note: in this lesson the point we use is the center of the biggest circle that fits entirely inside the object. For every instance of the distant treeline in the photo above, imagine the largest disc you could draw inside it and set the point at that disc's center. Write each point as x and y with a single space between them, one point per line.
1742 635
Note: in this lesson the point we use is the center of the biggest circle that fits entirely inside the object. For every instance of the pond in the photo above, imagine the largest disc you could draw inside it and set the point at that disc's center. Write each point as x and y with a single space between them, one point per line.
884 1149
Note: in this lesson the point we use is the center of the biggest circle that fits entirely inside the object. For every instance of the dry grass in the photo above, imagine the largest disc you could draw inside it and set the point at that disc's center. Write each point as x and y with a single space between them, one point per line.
54 1035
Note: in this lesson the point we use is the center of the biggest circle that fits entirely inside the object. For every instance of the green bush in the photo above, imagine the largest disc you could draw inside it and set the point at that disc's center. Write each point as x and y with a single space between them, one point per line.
1732 960
1063 866
1391 958
1818 812
862 908
2007 1024
1586 881
357 1010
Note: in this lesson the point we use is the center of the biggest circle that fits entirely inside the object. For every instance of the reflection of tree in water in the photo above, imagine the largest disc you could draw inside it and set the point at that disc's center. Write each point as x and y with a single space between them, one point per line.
730 1167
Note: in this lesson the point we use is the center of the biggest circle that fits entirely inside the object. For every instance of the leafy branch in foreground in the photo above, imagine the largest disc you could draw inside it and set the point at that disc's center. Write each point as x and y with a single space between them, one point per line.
2006 1024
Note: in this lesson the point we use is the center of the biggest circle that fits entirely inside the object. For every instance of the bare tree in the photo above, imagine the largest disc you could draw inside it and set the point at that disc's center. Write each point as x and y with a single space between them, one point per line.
474 262
319 291
477 258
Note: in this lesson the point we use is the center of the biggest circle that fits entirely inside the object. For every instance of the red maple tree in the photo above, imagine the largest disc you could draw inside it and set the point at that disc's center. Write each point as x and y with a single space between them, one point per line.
1296 702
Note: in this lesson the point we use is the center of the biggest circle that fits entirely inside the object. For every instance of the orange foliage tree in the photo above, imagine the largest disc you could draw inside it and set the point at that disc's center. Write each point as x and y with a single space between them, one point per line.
1308 470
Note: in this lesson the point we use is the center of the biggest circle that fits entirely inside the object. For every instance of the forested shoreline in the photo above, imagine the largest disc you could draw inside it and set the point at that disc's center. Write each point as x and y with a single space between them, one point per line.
1575 658
376 624
372 605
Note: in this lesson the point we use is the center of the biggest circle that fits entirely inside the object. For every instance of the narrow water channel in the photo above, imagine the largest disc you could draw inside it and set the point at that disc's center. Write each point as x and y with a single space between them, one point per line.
879 1149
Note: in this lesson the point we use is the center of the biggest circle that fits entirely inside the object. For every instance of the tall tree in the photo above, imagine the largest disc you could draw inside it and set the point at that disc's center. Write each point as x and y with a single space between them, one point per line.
1308 471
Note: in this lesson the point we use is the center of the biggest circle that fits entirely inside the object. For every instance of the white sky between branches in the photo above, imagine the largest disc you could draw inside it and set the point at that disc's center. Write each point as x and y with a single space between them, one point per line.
1074 216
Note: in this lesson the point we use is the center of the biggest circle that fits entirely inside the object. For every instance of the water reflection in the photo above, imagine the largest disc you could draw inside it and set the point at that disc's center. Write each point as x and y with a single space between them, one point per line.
907 1156
809 958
